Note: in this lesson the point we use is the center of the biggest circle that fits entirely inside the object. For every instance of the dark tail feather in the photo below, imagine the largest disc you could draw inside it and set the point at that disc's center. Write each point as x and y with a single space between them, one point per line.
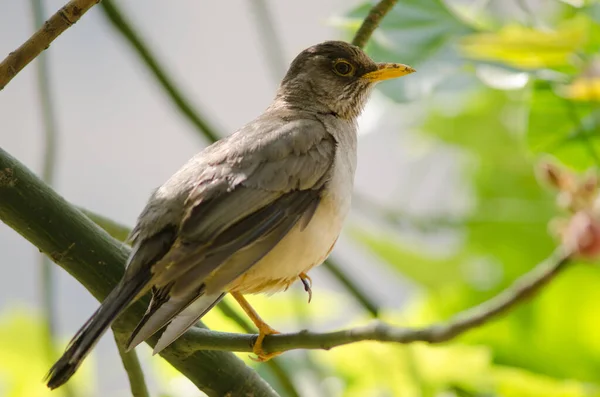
87 337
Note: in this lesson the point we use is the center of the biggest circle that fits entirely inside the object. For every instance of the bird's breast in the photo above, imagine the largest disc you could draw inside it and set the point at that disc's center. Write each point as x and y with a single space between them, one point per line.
302 249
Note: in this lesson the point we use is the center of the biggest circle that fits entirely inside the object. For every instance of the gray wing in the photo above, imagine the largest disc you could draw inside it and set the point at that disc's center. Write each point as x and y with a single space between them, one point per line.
248 194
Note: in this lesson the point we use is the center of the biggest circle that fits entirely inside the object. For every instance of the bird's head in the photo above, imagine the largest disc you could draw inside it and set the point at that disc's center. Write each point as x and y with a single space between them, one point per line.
335 77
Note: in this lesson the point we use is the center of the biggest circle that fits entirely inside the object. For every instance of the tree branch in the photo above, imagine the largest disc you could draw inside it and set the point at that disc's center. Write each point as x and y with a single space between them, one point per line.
522 289
96 260
278 371
123 26
372 21
132 366
58 23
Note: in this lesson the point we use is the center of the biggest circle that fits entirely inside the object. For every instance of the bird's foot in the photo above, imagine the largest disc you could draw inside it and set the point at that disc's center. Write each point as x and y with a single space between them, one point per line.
307 282
263 330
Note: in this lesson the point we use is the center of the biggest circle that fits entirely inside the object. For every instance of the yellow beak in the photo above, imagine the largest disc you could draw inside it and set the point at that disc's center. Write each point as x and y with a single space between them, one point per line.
387 71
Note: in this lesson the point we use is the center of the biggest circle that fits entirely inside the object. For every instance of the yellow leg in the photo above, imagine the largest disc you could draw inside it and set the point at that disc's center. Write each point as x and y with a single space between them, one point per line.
307 282
263 328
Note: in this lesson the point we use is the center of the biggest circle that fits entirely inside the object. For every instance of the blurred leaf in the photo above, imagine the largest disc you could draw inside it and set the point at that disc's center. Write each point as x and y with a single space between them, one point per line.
562 128
586 86
411 260
529 48
507 226
593 10
584 89
514 382
22 364
421 370
505 235
421 33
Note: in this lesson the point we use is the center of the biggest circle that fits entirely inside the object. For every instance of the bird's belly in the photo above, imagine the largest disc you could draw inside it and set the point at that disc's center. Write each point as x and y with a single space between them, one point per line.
297 252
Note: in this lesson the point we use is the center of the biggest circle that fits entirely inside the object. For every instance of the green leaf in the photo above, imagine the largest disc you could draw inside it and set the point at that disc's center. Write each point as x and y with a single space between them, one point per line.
528 48
563 128
410 260
23 362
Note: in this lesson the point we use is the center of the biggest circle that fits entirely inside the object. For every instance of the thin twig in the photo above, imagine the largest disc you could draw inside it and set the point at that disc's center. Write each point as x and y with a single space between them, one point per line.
372 21
522 289
269 39
58 23
352 287
47 270
123 26
132 366
48 168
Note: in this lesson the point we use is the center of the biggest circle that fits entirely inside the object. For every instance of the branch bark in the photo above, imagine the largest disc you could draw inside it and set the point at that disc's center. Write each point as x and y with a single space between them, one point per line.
372 21
58 23
132 366
96 260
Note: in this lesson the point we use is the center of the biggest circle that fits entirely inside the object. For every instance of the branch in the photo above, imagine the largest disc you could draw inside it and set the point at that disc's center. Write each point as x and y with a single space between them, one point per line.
58 23
372 21
132 366
269 39
48 171
96 260
278 371
522 289
123 26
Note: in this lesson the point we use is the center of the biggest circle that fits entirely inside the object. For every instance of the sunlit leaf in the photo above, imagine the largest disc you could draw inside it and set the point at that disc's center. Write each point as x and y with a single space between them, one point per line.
529 48
584 89
410 259
515 382
586 86
23 361
563 128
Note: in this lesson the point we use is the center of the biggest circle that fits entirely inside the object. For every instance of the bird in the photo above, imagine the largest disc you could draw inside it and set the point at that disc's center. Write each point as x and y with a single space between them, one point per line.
251 213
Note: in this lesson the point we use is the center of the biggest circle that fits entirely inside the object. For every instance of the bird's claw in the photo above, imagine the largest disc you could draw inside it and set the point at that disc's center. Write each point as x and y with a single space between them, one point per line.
257 349
307 282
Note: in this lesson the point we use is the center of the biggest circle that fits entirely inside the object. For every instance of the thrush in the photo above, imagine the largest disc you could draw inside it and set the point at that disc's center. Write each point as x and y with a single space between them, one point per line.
251 213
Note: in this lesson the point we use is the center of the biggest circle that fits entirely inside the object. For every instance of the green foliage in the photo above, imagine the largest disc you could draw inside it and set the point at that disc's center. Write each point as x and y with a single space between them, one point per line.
564 128
23 358
547 347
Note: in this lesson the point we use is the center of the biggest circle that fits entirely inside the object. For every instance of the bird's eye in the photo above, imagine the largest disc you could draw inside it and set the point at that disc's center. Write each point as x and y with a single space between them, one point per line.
343 68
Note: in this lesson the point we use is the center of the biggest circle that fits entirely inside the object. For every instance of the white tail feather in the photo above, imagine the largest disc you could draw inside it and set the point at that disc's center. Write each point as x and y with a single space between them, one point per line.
184 320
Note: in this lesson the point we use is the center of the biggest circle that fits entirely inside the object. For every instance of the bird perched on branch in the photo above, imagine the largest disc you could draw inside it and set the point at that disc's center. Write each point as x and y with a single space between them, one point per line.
252 213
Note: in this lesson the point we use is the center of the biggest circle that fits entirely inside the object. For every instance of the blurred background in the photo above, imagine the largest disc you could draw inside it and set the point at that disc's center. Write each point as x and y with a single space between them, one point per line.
447 209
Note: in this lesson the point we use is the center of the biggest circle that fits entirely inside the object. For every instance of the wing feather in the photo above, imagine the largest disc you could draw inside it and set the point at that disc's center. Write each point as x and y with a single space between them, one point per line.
232 204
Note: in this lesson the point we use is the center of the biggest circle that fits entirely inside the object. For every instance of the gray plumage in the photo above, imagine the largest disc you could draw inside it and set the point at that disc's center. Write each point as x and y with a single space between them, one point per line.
249 213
